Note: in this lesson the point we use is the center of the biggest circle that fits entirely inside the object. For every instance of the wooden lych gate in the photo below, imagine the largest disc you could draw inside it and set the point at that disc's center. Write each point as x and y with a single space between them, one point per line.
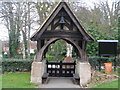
61 24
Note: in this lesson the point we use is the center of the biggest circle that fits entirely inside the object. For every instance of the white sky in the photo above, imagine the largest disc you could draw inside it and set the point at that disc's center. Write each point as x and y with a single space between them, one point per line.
4 32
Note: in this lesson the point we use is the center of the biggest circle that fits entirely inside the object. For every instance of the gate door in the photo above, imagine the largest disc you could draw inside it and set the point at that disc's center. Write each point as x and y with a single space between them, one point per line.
61 69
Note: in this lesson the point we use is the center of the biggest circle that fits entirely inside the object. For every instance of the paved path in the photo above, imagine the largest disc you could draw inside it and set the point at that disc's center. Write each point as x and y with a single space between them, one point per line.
59 83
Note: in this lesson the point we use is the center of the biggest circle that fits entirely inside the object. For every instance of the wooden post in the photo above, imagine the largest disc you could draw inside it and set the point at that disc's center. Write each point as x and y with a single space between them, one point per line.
60 68
99 61
84 45
40 44
115 63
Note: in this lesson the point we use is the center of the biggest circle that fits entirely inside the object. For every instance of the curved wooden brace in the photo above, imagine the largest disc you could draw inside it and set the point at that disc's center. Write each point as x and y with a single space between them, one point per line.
40 54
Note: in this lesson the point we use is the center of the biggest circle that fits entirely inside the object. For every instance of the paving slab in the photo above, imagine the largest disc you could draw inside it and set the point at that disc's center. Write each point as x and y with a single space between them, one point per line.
61 82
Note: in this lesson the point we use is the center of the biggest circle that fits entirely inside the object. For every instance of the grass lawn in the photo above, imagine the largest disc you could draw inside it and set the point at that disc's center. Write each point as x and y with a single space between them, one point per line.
22 80
112 84
0 83
17 80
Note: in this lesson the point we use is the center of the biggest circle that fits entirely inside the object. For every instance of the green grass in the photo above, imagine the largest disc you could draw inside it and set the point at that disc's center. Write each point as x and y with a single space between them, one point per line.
22 80
112 84
17 80
0 82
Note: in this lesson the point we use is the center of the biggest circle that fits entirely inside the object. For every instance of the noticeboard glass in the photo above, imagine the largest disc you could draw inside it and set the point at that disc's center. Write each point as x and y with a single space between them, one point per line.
107 48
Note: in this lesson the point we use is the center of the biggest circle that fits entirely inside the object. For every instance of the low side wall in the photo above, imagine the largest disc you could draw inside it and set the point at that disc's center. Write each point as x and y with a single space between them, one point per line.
84 71
37 70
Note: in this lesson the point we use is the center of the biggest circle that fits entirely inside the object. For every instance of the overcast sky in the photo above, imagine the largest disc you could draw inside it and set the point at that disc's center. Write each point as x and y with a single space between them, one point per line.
4 32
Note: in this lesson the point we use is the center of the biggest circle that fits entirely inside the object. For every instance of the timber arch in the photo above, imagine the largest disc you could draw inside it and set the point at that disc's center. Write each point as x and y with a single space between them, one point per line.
43 50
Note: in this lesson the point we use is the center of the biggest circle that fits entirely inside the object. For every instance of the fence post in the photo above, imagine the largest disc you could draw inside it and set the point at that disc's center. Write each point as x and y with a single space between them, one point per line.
60 68
99 61
115 64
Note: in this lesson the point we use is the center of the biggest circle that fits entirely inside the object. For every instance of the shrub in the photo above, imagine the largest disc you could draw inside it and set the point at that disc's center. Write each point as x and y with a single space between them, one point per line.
16 65
94 61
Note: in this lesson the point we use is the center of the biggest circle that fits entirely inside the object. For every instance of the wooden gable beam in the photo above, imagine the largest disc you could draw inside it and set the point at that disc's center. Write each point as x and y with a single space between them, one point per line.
75 20
50 20
72 16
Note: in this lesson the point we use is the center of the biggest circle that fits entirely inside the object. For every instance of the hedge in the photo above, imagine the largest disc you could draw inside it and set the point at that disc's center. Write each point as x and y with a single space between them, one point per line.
20 65
16 65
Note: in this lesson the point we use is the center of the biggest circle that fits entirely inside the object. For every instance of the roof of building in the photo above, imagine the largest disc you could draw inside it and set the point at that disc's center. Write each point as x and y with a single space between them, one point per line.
49 19
107 40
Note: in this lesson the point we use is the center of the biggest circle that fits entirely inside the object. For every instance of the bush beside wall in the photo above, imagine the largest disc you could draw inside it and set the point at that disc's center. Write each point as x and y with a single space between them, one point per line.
21 65
94 61
14 66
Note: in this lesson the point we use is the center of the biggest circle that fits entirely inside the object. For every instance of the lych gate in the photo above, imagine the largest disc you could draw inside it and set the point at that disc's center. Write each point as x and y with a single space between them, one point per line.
61 24
61 69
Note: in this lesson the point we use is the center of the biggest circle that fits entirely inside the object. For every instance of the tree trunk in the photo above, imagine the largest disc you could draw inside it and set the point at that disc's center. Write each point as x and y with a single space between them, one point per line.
29 30
25 35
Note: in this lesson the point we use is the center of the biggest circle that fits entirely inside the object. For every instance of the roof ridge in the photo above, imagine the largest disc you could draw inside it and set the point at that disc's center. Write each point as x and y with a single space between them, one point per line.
72 15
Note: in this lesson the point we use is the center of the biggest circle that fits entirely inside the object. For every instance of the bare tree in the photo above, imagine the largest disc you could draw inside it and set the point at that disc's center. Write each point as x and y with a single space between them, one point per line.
44 9
11 19
17 18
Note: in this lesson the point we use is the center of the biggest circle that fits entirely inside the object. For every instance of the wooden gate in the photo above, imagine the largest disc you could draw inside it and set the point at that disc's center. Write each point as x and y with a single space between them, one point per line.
61 69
